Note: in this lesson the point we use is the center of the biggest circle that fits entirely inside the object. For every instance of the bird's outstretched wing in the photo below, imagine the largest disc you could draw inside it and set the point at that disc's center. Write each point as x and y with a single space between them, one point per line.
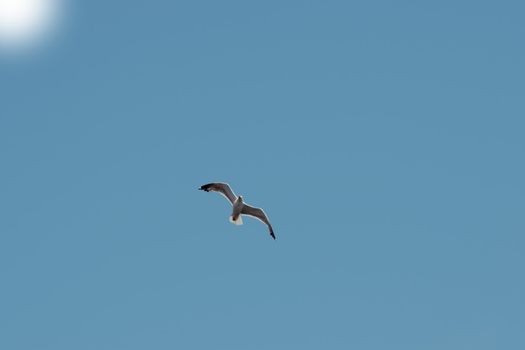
258 213
222 188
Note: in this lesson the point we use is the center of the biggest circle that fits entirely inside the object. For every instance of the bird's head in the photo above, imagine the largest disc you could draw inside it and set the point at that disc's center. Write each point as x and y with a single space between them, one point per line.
240 199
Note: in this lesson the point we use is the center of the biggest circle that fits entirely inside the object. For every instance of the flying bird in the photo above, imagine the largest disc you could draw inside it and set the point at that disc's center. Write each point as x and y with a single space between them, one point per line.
239 207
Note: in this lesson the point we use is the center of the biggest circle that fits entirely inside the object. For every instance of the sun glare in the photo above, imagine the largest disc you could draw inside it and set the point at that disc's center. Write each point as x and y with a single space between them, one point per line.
25 22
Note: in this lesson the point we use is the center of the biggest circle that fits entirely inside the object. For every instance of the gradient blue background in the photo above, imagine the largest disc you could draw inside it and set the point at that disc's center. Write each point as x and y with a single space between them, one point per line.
385 139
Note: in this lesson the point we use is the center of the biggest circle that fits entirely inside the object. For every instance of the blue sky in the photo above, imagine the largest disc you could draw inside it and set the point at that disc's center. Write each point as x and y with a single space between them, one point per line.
384 140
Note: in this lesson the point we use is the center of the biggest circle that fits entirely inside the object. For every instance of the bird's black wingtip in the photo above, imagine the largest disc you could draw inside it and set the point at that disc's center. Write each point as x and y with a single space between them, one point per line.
205 187
273 236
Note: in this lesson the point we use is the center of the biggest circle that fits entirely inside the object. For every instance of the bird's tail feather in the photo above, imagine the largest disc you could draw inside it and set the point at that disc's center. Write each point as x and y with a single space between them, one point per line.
236 222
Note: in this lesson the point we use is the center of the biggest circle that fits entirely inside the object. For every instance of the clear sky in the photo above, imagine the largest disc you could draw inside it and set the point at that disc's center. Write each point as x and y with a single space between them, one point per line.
385 140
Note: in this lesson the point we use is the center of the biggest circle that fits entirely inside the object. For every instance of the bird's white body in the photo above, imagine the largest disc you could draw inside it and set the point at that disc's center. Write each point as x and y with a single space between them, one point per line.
236 218
236 222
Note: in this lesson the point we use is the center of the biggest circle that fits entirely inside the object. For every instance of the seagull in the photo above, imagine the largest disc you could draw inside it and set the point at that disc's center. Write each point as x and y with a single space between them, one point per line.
239 207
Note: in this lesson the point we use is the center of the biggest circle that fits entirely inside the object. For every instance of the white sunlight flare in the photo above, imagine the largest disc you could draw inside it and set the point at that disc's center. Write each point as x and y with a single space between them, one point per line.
24 23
